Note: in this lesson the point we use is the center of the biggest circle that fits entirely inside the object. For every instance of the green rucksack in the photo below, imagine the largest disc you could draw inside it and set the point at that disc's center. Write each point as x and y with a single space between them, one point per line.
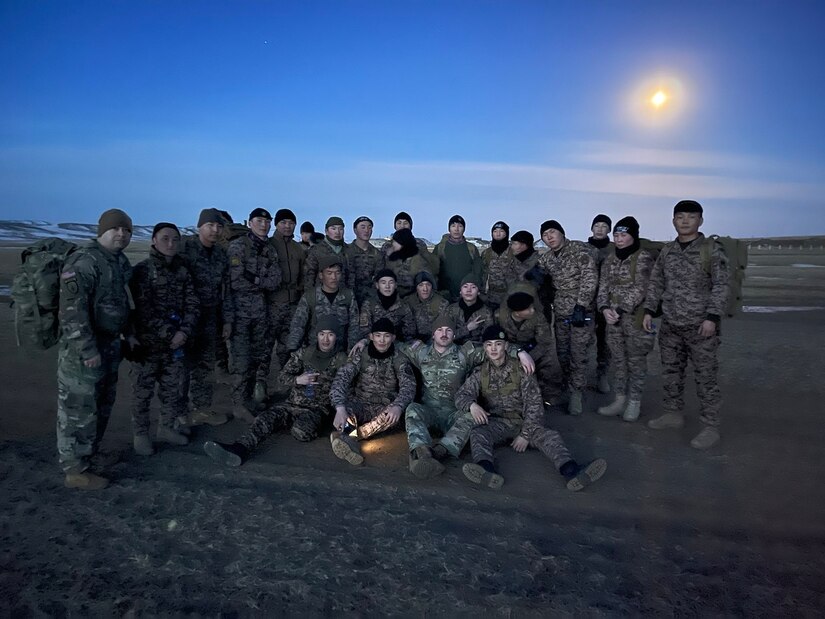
35 293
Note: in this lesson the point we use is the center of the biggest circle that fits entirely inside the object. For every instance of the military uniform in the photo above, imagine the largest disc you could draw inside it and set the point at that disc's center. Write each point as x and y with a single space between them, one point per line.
165 303
690 292
315 304
455 261
94 311
210 275
425 312
573 272
254 275
407 268
514 404
363 264
497 271
370 383
458 312
314 255
622 287
398 312
603 348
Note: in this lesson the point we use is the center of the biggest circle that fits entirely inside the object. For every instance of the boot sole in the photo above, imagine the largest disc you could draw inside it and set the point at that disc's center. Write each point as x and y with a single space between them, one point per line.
426 468
345 452
667 425
476 474
221 455
703 447
592 472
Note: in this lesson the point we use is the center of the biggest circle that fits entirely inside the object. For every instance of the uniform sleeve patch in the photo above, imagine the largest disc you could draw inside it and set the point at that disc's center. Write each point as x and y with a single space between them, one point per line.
235 261
71 285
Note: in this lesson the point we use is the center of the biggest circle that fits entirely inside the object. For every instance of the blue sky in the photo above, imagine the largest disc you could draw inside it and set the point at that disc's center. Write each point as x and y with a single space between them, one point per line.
522 111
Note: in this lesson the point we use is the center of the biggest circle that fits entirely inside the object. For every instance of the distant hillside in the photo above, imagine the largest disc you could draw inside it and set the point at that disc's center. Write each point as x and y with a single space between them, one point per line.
33 230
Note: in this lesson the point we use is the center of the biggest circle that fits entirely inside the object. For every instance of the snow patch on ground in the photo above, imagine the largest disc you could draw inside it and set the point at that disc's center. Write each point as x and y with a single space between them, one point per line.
773 309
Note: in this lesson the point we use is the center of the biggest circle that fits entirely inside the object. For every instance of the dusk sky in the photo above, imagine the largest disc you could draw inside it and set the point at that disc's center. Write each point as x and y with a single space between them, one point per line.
522 111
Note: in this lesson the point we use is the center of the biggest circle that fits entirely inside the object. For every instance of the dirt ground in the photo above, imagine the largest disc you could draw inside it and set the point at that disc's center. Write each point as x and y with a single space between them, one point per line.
668 531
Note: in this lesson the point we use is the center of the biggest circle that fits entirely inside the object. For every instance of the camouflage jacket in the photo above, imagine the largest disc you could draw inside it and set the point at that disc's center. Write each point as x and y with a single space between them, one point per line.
382 382
425 312
210 274
405 271
423 251
324 248
94 298
497 271
689 290
443 373
504 391
462 333
574 275
291 258
254 274
623 283
305 360
533 330
362 265
399 313
165 301
600 254
314 305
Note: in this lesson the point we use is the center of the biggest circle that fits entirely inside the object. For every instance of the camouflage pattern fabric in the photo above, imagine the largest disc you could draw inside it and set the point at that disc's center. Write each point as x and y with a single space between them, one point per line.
344 308
572 350
405 271
574 275
425 312
630 346
167 372
454 426
363 263
600 255
305 424
497 272
324 248
277 337
455 260
307 360
399 313
462 333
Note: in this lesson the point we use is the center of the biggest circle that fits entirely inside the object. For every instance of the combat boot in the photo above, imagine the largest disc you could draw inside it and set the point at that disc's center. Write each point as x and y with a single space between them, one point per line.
614 408
207 416
706 439
233 454
346 447
259 393
142 445
668 420
603 384
631 413
587 474
440 452
477 474
423 465
168 435
242 413
84 480
574 407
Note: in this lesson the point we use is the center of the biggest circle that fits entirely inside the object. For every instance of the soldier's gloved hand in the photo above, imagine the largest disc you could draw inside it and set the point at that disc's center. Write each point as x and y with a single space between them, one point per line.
577 319
250 277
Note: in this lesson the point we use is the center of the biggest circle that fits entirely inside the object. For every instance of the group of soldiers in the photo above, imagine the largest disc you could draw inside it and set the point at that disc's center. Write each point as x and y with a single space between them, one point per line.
455 342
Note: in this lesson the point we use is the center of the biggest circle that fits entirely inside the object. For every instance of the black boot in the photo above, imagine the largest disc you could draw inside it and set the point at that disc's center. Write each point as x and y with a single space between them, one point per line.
226 454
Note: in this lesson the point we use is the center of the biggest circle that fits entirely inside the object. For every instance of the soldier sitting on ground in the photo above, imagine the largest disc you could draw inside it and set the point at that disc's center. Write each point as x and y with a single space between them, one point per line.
385 303
310 372
506 406
426 304
470 313
370 392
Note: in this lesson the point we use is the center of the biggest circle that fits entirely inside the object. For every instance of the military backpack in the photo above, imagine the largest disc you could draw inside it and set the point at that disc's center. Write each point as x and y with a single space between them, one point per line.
35 293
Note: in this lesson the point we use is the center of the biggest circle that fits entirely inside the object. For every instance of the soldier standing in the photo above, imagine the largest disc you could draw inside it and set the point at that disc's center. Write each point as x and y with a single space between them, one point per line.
309 372
622 287
505 404
363 260
690 278
254 274
94 311
331 245
209 265
384 303
497 265
456 258
307 231
470 314
572 269
370 392
601 247
406 260
165 318
403 221
426 304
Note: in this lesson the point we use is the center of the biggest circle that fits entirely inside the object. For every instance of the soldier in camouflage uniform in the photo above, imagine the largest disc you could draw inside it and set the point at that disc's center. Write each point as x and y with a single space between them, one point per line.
307 230
406 260
231 231
404 222
291 258
384 303
506 405
254 275
370 392
209 265
165 318
331 245
456 258
601 248
326 299
691 281
94 311
426 304
573 272
497 265
443 365
309 372
470 314
363 260
622 287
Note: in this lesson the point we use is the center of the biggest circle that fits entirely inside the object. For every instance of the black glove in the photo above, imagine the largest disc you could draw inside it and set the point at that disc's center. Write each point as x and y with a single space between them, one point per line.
577 319
250 277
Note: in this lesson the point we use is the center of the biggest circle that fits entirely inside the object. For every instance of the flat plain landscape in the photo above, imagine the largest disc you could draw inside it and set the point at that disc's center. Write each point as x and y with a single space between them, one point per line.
739 530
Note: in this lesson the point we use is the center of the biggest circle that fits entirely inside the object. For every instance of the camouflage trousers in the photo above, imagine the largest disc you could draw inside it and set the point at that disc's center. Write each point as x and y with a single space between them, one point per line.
198 382
548 374
677 345
247 345
306 424
370 418
499 430
603 348
454 426
629 346
279 322
572 345
160 368
85 397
